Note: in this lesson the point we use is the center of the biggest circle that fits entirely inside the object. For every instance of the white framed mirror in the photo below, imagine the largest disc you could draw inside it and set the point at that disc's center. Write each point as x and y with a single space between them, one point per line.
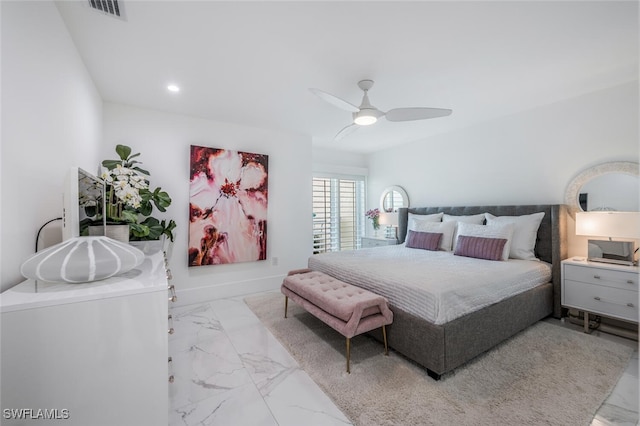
393 198
607 186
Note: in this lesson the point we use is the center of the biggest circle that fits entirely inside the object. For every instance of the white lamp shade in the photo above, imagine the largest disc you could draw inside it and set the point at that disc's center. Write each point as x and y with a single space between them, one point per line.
388 219
393 219
82 260
608 224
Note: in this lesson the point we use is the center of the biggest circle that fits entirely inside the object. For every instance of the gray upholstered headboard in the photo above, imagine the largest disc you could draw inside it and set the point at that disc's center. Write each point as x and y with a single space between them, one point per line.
551 245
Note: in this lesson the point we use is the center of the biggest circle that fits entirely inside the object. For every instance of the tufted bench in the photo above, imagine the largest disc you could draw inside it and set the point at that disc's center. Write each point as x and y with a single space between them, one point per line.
348 309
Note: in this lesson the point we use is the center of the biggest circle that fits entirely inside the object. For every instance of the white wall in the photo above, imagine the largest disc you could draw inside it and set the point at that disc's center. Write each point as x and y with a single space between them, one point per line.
164 139
525 158
328 160
51 120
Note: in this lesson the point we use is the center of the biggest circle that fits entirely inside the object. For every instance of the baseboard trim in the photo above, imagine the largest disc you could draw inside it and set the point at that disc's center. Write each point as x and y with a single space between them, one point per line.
226 290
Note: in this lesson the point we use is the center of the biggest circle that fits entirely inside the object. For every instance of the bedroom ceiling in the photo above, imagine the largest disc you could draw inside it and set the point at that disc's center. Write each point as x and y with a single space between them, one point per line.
252 63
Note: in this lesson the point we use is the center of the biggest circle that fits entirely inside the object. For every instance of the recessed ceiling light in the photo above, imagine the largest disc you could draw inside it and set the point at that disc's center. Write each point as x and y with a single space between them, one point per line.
173 88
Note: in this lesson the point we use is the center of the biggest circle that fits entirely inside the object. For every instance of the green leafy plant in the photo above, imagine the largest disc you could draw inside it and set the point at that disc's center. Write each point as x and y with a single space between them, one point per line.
129 199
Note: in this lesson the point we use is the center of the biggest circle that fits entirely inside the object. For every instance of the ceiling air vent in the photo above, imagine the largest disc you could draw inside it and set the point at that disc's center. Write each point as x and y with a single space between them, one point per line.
109 7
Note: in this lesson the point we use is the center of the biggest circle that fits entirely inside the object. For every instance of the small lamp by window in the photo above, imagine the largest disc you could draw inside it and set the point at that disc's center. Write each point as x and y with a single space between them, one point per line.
390 220
609 224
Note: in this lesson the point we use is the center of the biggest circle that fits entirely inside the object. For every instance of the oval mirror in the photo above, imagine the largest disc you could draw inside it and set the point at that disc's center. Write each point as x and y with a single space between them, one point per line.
608 186
393 198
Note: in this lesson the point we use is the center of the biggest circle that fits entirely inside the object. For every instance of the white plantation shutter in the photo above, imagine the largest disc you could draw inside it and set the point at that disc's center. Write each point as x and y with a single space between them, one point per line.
338 213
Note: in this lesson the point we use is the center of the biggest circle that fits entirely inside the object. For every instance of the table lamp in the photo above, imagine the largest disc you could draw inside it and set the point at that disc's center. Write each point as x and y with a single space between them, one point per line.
609 224
390 220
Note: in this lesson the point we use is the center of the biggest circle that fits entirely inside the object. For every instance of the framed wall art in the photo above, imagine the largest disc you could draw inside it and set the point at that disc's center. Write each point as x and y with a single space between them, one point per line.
228 194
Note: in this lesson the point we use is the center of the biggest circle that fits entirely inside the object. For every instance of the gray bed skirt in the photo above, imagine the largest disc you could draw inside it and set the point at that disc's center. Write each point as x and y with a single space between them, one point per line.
442 348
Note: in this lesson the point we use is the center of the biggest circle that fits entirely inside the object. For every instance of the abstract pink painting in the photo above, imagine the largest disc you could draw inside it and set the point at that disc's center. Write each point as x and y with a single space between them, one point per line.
227 206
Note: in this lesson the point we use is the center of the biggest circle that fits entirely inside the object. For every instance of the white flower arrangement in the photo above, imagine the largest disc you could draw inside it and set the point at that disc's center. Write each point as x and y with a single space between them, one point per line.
126 184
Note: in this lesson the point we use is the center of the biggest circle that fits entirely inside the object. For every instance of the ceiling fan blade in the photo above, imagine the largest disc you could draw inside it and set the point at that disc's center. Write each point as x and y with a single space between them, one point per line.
334 100
409 114
346 131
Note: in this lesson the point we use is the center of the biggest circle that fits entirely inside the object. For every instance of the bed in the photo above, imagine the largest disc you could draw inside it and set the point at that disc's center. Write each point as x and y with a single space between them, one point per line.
440 341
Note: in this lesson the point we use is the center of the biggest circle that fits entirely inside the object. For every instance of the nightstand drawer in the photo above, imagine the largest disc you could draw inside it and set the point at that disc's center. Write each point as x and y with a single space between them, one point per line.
616 279
598 299
368 242
373 243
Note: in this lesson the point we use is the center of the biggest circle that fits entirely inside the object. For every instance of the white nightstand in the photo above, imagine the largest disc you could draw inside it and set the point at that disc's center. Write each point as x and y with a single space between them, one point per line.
367 242
600 288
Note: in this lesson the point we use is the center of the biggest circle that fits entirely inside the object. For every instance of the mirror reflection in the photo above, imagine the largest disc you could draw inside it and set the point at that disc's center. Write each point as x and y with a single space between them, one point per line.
607 186
392 199
392 202
611 191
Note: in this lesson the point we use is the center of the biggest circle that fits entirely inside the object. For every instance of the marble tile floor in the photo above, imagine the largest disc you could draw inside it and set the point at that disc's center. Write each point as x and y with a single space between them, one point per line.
621 407
229 370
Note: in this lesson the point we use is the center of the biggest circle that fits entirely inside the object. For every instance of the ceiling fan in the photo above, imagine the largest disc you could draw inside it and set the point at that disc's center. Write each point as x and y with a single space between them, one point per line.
367 114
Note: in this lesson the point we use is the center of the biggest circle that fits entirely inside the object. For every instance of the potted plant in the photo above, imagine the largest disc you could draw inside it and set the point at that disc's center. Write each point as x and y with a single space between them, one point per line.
130 200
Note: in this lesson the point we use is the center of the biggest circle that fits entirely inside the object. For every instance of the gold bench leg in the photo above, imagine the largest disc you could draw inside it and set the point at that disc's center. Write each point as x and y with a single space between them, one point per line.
384 336
348 354
286 303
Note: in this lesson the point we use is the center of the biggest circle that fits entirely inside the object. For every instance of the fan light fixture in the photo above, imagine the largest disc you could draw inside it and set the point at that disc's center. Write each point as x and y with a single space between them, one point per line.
365 117
366 114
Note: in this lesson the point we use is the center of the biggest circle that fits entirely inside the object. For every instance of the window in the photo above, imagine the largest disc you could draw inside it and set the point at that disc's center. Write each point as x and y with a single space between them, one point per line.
338 213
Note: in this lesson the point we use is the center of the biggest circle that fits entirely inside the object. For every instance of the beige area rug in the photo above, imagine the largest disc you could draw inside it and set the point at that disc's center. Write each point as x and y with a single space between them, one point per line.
546 375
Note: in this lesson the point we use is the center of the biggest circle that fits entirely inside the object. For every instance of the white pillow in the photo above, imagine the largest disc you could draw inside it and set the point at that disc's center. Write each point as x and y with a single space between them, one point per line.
414 219
444 228
478 219
436 217
489 231
525 233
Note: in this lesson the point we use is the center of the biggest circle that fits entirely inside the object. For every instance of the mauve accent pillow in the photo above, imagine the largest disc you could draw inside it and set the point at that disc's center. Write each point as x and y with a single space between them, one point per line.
423 240
446 229
480 247
488 231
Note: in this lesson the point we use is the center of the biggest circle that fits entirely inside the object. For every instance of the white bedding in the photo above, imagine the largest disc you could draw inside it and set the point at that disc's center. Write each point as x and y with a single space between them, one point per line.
435 285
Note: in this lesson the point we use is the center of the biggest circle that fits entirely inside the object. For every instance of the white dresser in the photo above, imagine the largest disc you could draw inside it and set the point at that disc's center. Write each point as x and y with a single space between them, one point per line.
367 242
87 354
600 288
